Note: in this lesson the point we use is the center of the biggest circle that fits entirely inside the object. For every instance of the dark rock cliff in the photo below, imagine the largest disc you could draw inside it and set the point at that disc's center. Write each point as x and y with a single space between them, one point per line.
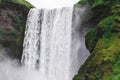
13 15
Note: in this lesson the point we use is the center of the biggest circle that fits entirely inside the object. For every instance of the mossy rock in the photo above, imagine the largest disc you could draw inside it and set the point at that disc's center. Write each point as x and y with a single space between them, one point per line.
116 24
98 66
104 28
95 3
116 9
91 39
106 23
104 61
100 8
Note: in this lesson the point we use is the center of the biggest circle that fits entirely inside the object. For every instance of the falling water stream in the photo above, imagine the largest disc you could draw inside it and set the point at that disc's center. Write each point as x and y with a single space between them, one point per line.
53 44
47 43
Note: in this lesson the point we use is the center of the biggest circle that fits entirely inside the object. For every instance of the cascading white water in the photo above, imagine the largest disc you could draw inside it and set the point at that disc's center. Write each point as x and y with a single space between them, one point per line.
56 43
31 39
51 43
47 43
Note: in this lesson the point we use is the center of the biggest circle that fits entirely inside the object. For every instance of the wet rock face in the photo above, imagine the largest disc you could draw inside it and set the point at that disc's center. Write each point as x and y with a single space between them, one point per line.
6 22
12 24
7 27
8 30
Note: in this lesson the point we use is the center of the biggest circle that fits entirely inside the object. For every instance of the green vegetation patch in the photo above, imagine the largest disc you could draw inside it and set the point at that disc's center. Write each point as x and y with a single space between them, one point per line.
104 61
19 2
95 3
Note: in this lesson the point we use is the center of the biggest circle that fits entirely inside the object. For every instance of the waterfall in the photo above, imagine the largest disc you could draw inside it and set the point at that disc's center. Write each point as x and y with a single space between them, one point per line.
52 43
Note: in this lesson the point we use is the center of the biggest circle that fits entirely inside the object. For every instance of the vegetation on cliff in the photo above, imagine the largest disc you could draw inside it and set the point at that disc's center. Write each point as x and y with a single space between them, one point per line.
13 15
103 42
5 3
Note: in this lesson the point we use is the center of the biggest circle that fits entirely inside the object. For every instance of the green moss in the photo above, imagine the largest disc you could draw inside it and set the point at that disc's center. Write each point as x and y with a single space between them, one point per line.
107 22
100 2
116 24
116 68
95 3
23 2
105 26
98 66
91 39
105 2
19 2
100 8
103 62
116 9
16 19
